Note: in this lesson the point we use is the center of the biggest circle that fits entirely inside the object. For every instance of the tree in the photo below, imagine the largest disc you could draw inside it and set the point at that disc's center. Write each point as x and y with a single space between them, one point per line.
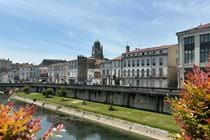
191 111
47 92
61 92
26 89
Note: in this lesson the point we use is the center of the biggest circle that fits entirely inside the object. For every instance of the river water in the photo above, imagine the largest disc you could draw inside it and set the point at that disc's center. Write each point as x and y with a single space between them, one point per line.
77 129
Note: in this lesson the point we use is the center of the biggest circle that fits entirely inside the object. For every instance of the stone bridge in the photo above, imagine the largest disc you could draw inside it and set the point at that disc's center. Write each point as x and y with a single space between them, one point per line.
135 97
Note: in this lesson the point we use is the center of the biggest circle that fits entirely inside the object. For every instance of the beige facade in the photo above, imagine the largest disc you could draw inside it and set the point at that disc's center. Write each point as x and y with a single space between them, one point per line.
193 49
28 73
150 67
72 71
57 73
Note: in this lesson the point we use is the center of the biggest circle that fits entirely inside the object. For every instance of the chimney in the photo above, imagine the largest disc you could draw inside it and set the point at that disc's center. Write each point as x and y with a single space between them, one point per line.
127 48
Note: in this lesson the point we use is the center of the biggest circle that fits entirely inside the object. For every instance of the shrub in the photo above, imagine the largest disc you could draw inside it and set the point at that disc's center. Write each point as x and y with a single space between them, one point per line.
26 89
191 110
61 92
47 92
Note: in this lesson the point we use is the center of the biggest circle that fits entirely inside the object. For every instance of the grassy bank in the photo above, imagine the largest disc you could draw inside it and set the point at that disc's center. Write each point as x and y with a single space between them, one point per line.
152 119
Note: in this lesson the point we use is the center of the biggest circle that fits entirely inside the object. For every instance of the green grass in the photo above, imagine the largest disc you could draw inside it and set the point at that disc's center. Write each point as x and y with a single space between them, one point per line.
157 120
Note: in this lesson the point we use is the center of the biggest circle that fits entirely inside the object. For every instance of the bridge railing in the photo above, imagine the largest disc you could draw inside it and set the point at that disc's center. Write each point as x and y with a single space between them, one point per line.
151 90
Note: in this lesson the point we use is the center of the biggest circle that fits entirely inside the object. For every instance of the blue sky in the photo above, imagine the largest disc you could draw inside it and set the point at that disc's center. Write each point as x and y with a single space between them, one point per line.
31 30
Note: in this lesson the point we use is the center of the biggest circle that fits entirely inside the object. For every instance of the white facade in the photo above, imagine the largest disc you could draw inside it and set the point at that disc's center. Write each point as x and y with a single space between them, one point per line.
28 73
7 77
150 67
72 71
106 72
57 73
193 49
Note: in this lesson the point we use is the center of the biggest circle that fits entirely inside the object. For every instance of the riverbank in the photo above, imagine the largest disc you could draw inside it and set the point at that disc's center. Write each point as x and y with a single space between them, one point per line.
161 121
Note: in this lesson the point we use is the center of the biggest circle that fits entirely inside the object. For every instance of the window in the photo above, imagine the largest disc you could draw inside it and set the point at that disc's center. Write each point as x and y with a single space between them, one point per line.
133 73
161 71
161 51
107 72
161 61
205 38
133 63
147 72
147 62
142 62
138 63
128 73
124 63
188 56
142 72
204 47
153 72
153 61
204 53
189 48
129 64
137 72
189 40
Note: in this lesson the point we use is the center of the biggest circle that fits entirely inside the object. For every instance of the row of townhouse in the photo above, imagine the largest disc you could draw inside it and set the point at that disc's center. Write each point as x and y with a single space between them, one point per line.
149 67
164 66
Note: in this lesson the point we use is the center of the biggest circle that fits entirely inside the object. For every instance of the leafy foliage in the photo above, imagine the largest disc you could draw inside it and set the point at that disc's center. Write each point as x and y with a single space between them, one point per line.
17 124
61 92
26 89
191 110
20 125
47 92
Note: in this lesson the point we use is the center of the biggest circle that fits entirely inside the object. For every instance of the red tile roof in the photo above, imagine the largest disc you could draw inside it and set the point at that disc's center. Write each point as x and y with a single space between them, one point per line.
200 27
151 49
117 58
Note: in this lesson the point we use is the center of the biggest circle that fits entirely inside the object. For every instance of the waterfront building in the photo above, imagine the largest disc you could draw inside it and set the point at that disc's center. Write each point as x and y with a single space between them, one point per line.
27 73
5 65
150 67
57 73
106 71
7 76
89 70
116 71
193 49
43 68
72 71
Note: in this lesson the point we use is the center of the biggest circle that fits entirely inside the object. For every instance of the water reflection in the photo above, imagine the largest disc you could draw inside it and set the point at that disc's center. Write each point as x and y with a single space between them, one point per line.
77 129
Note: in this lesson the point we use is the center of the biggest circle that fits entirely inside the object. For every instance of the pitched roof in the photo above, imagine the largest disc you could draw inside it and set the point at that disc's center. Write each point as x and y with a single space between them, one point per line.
46 62
200 27
151 49
117 58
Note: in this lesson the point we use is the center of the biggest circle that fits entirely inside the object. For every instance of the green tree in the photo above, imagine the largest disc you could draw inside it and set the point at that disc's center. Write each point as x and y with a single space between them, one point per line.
26 89
61 92
47 92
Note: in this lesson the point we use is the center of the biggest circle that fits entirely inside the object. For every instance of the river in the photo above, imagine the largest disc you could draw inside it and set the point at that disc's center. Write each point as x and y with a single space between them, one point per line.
77 129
